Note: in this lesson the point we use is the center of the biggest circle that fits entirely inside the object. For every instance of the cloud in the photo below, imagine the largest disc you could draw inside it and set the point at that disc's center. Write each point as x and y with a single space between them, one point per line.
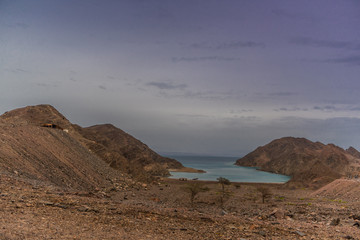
333 108
102 87
327 108
294 109
192 115
17 70
208 58
166 85
46 85
227 45
283 94
205 95
232 111
351 60
355 109
325 43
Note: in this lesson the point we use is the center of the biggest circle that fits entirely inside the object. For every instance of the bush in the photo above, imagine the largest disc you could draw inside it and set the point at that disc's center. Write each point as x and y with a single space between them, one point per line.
265 193
224 193
193 189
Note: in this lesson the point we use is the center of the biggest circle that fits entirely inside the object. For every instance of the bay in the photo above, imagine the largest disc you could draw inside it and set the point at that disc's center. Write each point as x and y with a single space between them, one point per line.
224 167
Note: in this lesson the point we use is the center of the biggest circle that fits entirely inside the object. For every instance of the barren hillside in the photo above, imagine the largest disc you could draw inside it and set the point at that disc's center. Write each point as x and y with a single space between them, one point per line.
40 143
122 151
309 163
51 155
341 189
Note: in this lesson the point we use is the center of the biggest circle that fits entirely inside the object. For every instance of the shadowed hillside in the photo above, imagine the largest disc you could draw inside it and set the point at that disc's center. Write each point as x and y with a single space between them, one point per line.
122 151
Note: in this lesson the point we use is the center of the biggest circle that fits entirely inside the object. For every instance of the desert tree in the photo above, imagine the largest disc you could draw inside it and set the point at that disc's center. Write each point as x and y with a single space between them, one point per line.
265 193
224 193
194 188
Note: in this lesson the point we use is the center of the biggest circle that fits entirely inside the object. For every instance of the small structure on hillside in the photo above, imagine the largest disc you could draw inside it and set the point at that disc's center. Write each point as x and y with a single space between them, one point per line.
51 125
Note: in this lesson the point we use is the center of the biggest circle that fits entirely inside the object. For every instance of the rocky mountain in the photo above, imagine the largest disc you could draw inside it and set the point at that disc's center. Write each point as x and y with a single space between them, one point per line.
39 143
122 151
308 163
353 152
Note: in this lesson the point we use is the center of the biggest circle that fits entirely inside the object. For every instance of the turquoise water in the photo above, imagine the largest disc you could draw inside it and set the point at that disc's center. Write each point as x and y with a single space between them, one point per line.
224 167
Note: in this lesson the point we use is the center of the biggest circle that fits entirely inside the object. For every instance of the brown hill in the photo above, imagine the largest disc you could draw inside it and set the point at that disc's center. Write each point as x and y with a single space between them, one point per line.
353 152
308 163
40 143
122 151
51 155
341 189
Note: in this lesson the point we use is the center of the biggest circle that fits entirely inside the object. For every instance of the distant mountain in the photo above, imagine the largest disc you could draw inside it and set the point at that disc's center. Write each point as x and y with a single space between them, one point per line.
40 143
308 163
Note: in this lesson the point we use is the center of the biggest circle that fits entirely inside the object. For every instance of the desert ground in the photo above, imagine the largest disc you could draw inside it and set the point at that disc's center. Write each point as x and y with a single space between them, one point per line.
31 209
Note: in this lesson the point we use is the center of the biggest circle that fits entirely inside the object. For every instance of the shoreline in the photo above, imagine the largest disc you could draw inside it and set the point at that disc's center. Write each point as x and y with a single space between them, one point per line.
214 181
187 170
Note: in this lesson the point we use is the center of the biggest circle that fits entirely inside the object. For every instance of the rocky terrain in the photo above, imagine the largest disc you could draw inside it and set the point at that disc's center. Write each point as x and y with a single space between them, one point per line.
34 210
122 151
40 143
61 181
310 164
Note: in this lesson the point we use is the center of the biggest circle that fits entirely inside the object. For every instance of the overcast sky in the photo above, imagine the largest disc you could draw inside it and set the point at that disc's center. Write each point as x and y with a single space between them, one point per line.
216 77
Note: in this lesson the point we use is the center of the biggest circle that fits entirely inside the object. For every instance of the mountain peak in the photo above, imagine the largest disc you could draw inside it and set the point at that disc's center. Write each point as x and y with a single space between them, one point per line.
36 115
355 153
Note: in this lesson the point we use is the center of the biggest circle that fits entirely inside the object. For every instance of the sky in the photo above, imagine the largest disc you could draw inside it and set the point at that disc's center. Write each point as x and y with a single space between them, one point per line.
214 77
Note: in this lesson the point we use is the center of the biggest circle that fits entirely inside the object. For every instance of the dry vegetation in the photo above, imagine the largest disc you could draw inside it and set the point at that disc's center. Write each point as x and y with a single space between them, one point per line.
34 210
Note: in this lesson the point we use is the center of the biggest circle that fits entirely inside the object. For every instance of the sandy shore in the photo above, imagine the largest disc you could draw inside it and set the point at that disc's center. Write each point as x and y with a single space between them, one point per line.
187 170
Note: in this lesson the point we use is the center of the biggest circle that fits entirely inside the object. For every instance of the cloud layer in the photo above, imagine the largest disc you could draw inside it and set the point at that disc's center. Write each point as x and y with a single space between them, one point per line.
215 77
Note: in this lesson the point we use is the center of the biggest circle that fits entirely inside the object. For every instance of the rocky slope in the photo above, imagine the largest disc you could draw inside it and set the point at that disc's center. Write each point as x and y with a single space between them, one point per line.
309 163
342 189
51 155
63 153
122 151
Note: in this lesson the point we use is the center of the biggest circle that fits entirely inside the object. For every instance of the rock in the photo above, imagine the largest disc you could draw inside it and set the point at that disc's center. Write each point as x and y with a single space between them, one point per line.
301 234
231 226
277 213
262 233
223 212
335 222
349 237
355 217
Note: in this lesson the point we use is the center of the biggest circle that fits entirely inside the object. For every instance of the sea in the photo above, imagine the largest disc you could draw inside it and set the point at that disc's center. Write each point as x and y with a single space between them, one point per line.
216 167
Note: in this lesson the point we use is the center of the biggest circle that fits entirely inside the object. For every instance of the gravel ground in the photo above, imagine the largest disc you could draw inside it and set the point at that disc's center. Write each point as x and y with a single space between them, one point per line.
29 210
